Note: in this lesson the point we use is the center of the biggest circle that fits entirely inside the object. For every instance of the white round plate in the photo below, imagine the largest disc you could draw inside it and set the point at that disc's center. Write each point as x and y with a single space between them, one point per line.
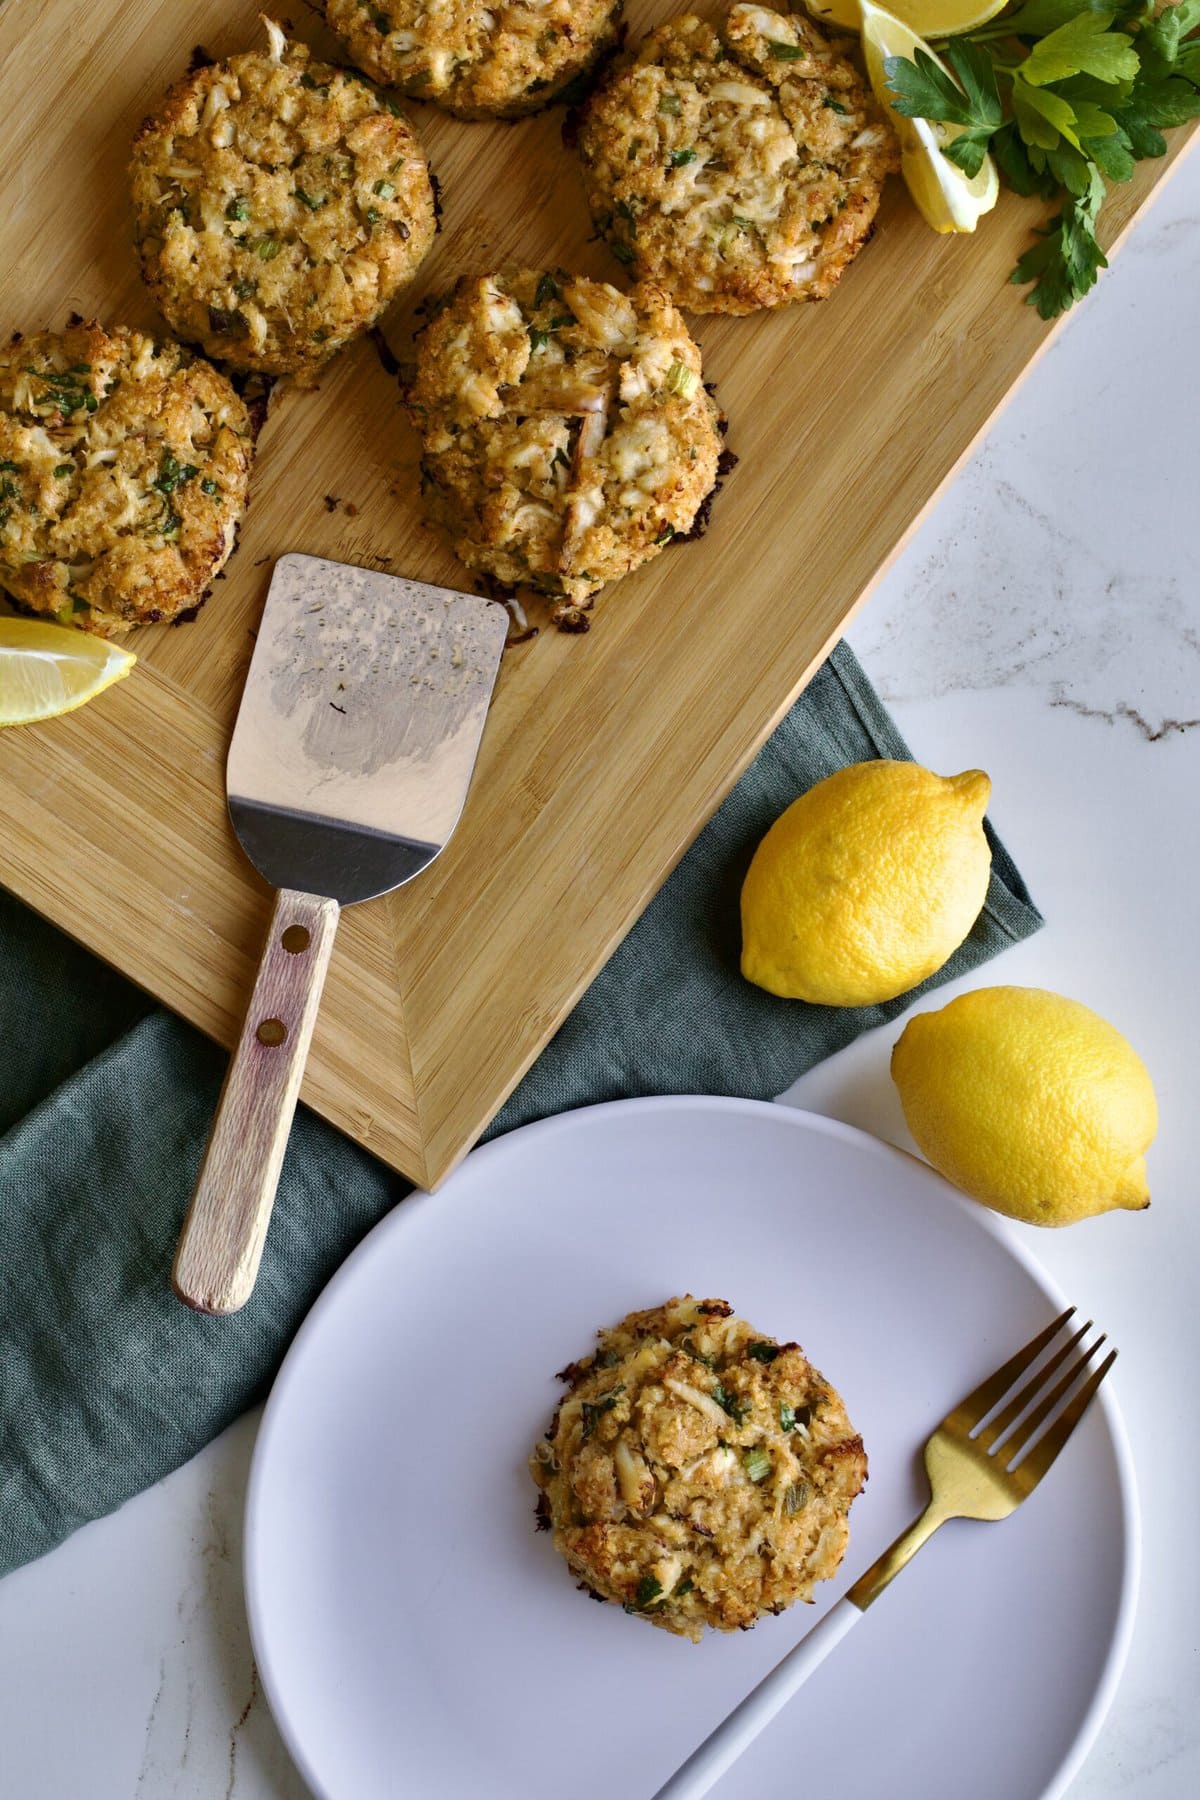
418 1637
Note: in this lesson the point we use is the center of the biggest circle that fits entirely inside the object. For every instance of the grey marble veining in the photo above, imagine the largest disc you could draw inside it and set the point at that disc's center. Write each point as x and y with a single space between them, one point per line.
1059 559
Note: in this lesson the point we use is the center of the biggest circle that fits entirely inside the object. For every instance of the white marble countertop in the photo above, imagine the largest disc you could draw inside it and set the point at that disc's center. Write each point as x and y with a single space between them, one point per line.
1043 624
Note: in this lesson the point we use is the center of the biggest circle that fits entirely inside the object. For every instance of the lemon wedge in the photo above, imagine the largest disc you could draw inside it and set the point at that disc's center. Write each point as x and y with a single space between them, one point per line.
48 669
931 18
946 197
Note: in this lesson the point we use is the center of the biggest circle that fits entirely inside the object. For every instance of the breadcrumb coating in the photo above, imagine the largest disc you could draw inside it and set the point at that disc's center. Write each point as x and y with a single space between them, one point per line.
124 470
567 432
474 58
280 205
698 1473
740 165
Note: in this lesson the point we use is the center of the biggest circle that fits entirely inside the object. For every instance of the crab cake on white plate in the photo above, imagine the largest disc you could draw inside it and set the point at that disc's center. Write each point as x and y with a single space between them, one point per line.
698 1473
280 205
567 431
476 58
740 165
124 470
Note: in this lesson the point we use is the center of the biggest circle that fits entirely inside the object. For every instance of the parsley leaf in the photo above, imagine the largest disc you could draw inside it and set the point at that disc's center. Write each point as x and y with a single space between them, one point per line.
1064 266
1092 88
920 90
1042 116
737 1409
1083 46
1165 34
923 90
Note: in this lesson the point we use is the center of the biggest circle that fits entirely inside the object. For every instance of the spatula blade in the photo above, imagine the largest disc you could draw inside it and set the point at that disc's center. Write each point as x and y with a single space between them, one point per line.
359 725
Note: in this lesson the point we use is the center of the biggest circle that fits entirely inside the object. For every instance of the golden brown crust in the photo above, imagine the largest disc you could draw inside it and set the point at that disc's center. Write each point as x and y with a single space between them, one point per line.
739 166
280 206
698 1473
476 58
567 433
124 470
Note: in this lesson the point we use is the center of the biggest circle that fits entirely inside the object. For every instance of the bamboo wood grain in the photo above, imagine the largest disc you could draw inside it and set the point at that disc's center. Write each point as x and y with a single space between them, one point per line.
603 755
221 1244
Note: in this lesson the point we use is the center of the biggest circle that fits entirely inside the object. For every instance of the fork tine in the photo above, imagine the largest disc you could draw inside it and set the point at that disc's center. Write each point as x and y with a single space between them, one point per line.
1050 1399
989 1393
1002 1424
1032 1467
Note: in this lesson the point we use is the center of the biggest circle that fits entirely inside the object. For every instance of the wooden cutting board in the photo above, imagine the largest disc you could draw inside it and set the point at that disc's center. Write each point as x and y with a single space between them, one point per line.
604 754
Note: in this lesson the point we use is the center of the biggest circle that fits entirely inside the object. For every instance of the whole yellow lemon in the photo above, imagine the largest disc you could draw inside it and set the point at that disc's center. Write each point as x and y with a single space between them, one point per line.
1028 1102
866 884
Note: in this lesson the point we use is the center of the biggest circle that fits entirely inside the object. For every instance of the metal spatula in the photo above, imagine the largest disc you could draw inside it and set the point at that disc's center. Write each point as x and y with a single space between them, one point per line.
349 766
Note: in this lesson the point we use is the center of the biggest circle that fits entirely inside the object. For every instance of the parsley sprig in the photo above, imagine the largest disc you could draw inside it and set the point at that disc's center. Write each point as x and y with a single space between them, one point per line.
1067 95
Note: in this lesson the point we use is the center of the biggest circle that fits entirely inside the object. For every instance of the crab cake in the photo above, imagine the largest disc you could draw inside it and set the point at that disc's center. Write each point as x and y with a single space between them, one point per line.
567 431
280 206
698 1472
739 166
476 58
124 467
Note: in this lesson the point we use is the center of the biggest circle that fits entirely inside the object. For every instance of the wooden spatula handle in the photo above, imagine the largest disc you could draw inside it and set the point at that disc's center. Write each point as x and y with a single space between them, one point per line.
221 1244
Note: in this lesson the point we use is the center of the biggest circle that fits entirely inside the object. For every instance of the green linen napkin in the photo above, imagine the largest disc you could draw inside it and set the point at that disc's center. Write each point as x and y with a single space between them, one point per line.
106 1381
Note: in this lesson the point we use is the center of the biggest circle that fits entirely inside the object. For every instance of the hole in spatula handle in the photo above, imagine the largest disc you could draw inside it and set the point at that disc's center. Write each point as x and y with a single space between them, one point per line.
295 939
271 1031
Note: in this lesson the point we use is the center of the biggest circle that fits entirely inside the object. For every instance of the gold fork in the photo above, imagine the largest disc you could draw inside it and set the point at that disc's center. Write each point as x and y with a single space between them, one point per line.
984 1459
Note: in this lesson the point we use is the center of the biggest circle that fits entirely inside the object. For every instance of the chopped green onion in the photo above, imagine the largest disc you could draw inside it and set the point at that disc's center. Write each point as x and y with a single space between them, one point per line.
682 1587
835 105
796 1497
385 189
64 469
786 52
238 209
622 252
787 1416
267 249
670 104
687 1344
372 215
398 164
648 1591
547 289
757 1464
764 1353
679 381
665 535
538 339
308 200
208 486
679 157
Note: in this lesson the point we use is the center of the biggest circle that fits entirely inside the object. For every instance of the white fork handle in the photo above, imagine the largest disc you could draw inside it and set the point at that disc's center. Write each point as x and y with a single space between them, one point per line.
722 1747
